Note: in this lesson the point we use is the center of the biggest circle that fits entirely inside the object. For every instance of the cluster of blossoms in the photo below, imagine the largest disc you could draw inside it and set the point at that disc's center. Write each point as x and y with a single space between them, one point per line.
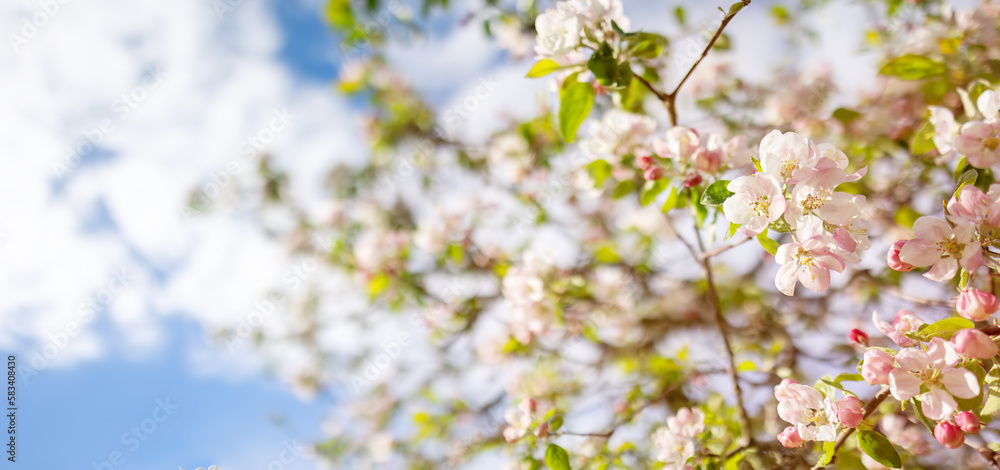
795 191
563 29
521 419
977 139
962 239
675 442
932 371
813 416
524 287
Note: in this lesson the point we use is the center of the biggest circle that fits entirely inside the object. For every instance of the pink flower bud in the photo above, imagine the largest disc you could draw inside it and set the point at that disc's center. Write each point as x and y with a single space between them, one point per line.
645 162
529 405
781 391
893 258
653 174
542 430
707 161
976 305
974 343
968 421
790 437
850 412
858 337
876 367
949 435
692 181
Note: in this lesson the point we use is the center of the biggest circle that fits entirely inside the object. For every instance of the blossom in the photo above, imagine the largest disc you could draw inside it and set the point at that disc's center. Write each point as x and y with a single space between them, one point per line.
675 442
734 151
973 343
850 412
980 143
519 419
968 421
988 104
976 305
681 143
892 258
945 129
904 322
790 437
857 336
782 392
616 134
876 366
935 370
809 261
558 30
757 202
975 207
687 422
814 194
783 155
593 11
942 246
814 417
949 435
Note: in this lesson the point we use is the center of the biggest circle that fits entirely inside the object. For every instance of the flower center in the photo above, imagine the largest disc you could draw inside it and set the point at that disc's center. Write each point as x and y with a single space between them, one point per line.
928 377
951 247
812 202
760 206
816 417
789 166
991 143
804 257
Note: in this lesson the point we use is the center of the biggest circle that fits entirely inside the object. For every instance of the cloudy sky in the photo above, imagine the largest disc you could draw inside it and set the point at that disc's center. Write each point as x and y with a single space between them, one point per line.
111 112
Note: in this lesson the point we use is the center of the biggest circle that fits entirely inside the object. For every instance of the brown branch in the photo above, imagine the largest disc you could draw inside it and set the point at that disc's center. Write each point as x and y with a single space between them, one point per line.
724 248
869 409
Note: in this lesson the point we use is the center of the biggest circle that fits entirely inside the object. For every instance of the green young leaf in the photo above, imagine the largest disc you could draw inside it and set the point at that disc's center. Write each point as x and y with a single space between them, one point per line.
647 45
732 229
992 385
879 448
542 68
377 284
829 448
912 67
671 201
770 245
556 423
624 188
845 115
556 458
845 377
574 106
734 9
923 140
603 64
652 189
339 14
599 171
946 328
716 193
969 177
698 210
606 254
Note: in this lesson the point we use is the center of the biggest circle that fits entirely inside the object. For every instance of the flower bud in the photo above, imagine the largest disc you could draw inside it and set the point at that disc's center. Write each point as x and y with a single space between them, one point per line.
653 174
692 181
707 161
645 162
949 435
542 430
790 437
973 343
858 337
529 405
876 367
976 305
850 412
893 258
781 391
968 421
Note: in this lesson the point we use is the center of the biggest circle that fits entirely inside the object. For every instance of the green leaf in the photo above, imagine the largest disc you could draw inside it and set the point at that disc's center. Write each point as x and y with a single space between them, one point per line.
652 189
845 115
770 245
746 366
556 423
829 448
734 9
377 284
845 377
671 201
606 254
923 140
542 68
624 188
946 328
556 458
992 385
603 64
879 448
698 210
716 193
912 67
969 177
339 14
732 229
647 45
599 171
574 106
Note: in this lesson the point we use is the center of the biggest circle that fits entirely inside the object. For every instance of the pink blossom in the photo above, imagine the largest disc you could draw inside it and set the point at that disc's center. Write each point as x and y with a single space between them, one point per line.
809 261
790 437
968 421
973 343
949 435
893 258
976 305
980 143
653 174
971 205
734 151
783 155
645 162
681 143
988 104
782 392
904 322
876 367
942 246
687 422
707 161
945 129
757 202
933 369
850 412
814 194
857 336
815 417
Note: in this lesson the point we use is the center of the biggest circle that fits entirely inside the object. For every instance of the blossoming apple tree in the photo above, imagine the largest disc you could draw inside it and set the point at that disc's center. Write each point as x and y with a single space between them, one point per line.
668 265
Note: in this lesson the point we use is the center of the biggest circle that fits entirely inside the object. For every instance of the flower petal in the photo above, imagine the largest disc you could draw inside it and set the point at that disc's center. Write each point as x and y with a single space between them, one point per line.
961 382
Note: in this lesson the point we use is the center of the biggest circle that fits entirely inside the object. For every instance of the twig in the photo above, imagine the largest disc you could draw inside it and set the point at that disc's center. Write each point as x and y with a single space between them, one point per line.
724 248
869 409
